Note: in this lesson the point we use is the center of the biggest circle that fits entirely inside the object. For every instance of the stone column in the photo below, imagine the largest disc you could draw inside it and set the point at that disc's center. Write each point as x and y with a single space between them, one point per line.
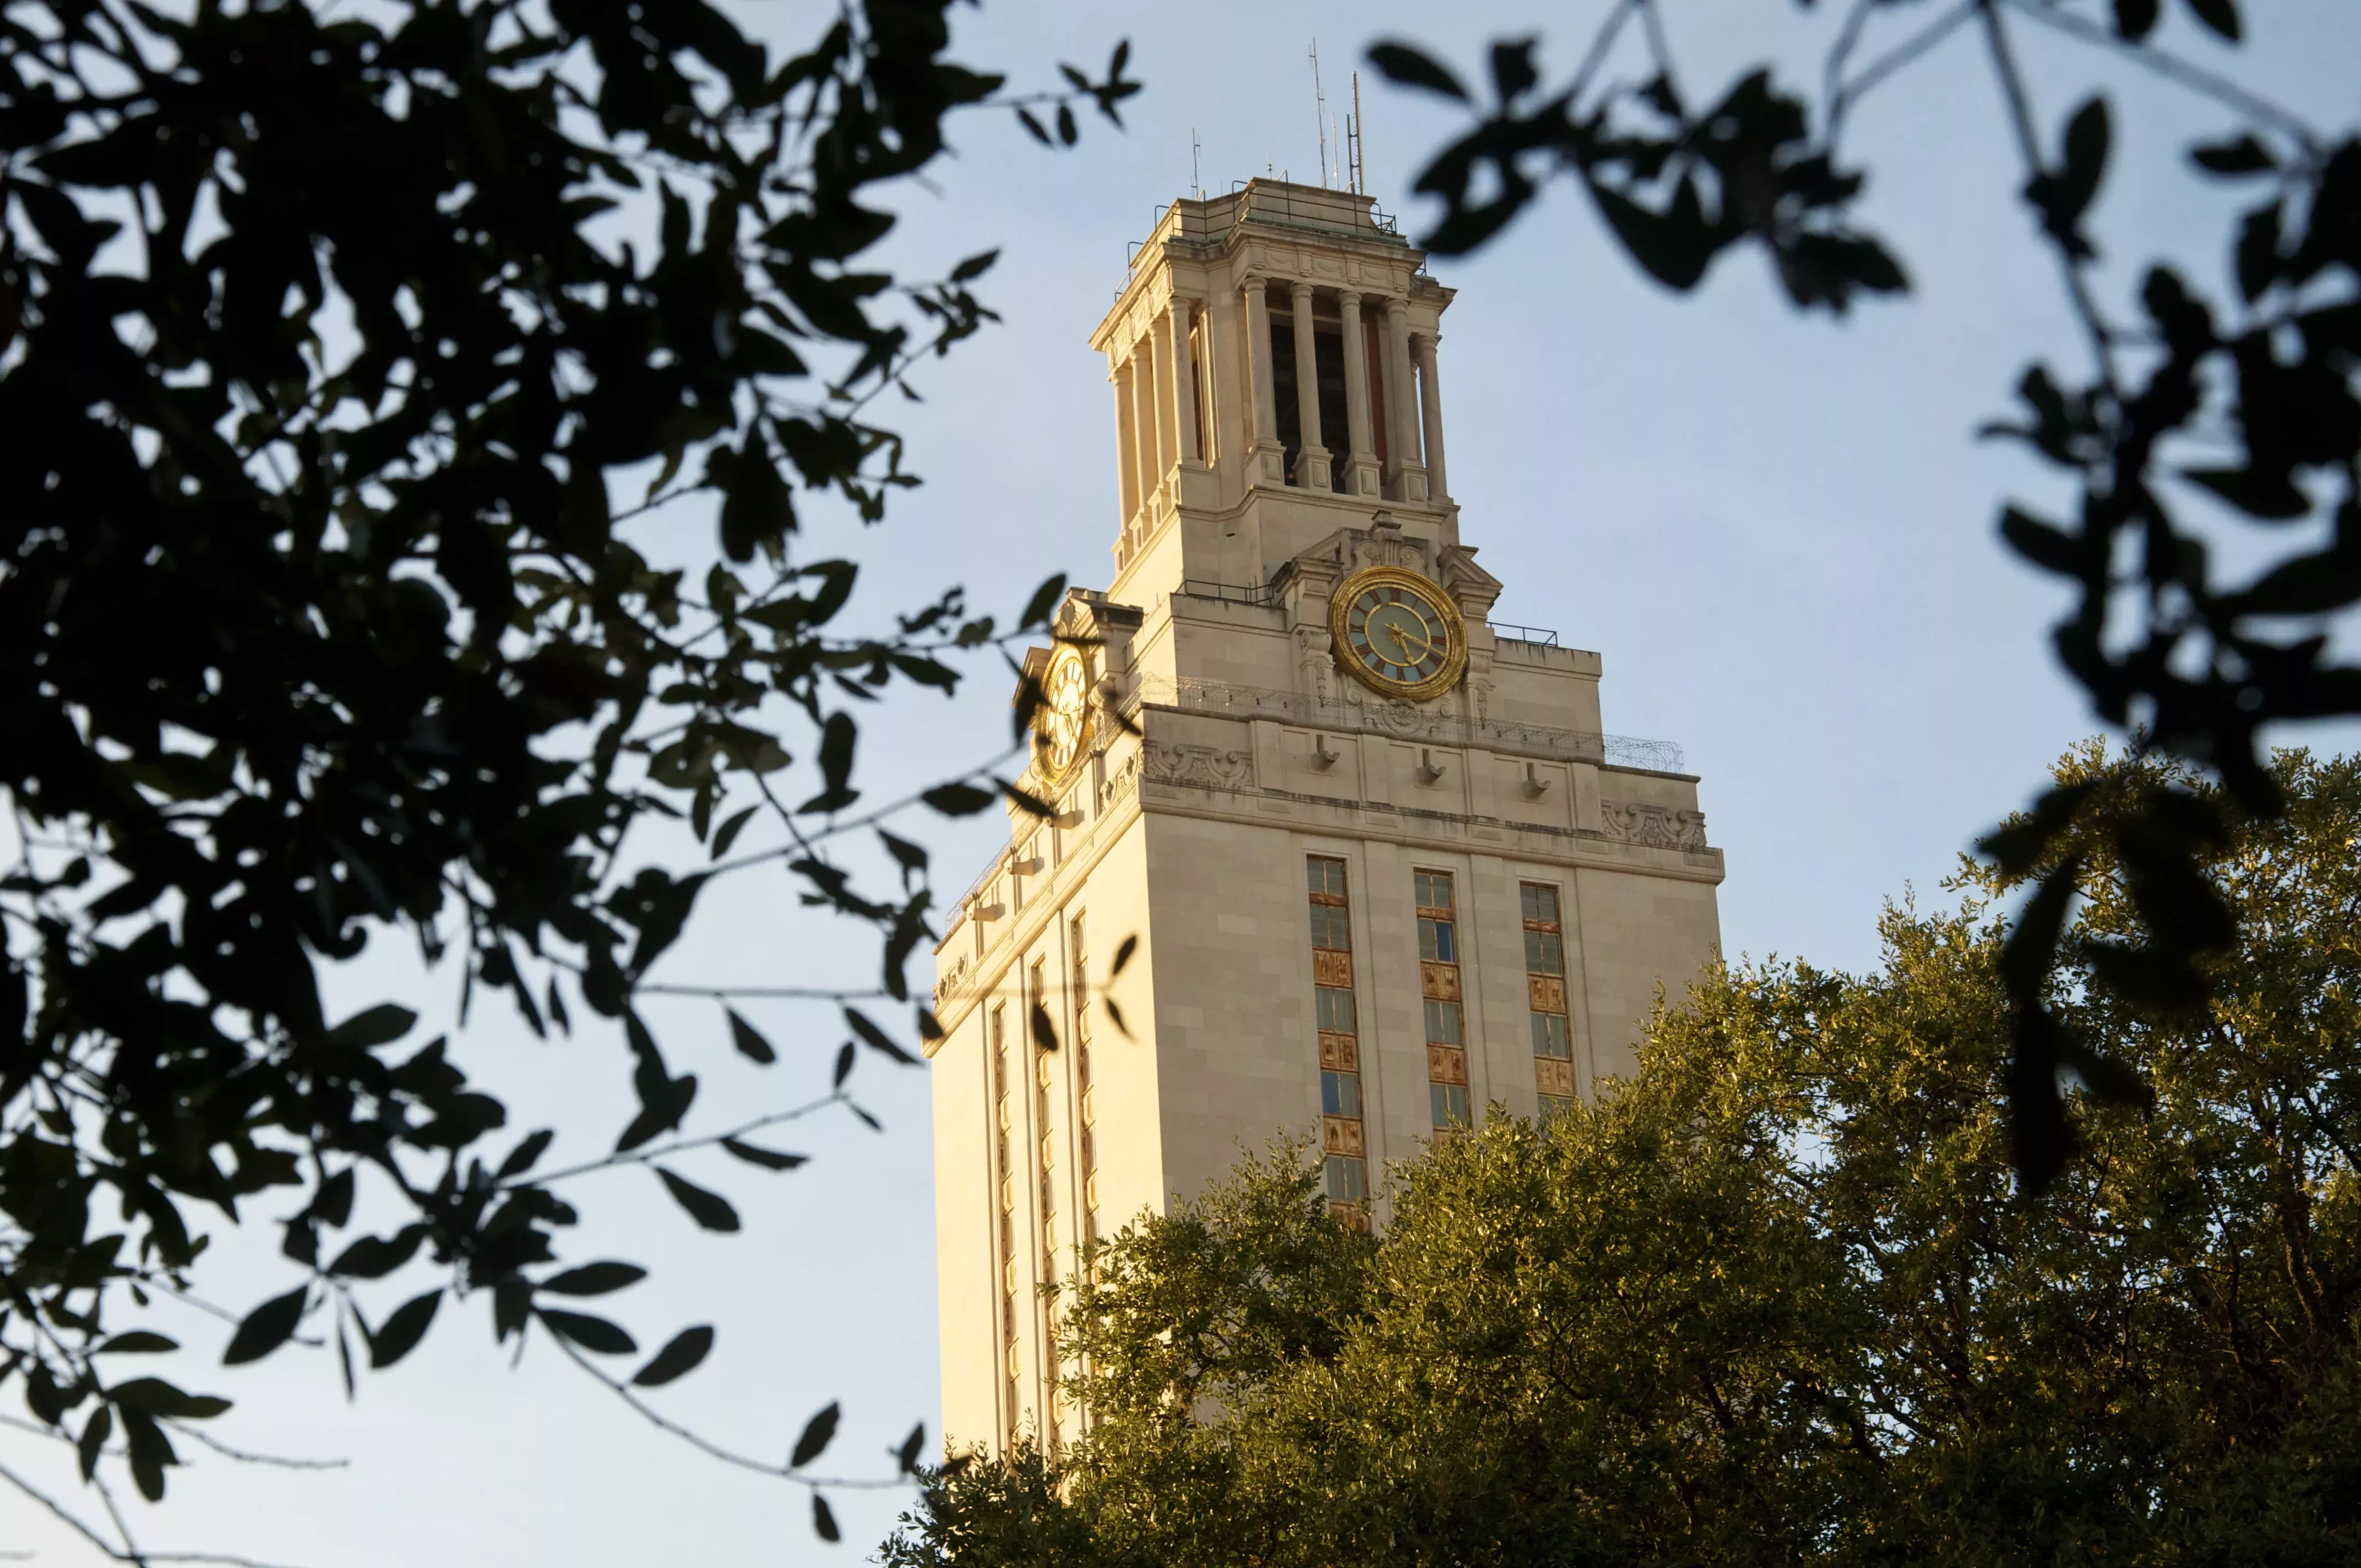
1429 409
1266 467
1361 475
1312 470
1127 451
1184 384
1229 424
1160 398
1143 421
1401 424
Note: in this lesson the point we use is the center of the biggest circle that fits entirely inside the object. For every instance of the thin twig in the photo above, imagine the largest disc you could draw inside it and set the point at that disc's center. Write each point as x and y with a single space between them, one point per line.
2012 83
2196 78
728 1457
245 1458
774 993
642 1156
1609 31
1842 96
58 1434
113 1552
805 840
1659 46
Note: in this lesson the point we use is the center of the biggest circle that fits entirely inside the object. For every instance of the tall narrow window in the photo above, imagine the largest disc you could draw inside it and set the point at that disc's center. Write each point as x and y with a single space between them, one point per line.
1199 325
1340 1140
1085 1139
1545 989
1045 1126
1004 1114
1438 974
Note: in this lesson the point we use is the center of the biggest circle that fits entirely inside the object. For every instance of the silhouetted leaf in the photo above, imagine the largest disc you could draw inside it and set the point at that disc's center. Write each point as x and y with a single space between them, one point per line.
379 1026
2241 154
824 1519
844 1056
2153 980
593 1279
1032 804
2044 544
401 1333
749 1040
1413 68
876 1038
151 1452
728 831
818 1433
594 1335
2222 15
709 1210
769 1159
679 1357
374 1257
1044 600
523 1157
958 799
94 1431
268 1327
905 1458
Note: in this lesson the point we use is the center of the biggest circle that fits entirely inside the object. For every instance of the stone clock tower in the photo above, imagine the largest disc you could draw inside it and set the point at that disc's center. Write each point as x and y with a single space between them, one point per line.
1333 854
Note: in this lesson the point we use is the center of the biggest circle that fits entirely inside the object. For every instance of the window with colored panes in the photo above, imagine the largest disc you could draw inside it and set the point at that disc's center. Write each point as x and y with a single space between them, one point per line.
1545 992
1438 976
1345 1150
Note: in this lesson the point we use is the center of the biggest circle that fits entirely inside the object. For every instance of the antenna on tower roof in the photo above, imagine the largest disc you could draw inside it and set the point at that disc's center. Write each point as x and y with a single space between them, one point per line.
1353 129
1319 112
1196 186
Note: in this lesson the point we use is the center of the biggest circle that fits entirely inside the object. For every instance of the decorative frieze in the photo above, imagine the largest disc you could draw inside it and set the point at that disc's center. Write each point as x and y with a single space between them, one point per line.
1197 767
1652 827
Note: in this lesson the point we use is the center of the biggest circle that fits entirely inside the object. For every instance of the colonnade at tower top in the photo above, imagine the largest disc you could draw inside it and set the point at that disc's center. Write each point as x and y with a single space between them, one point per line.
1277 344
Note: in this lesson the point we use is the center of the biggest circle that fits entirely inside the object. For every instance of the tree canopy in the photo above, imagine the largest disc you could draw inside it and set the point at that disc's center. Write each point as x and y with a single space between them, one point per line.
1777 1299
347 358
2198 428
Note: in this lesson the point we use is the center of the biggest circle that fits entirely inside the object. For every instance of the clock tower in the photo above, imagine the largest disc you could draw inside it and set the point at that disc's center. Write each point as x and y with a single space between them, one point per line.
1330 852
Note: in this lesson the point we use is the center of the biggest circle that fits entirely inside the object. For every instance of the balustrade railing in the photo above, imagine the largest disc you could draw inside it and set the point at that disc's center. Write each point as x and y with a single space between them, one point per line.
1404 720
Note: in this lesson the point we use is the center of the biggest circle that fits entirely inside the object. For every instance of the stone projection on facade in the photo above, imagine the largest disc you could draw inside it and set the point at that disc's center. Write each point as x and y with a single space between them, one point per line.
1379 865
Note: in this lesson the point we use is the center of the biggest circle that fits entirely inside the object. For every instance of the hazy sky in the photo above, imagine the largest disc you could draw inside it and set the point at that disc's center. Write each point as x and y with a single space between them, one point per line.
1778 532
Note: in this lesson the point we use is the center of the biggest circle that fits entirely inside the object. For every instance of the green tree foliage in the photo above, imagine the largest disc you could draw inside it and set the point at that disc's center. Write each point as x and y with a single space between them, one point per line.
1777 1299
328 338
2186 411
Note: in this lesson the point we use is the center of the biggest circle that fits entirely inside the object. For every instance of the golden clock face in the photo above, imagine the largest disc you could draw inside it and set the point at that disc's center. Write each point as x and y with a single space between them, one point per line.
1062 727
1398 633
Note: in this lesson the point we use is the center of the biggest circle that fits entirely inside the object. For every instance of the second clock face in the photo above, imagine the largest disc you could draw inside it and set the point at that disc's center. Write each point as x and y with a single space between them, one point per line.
1399 634
1064 723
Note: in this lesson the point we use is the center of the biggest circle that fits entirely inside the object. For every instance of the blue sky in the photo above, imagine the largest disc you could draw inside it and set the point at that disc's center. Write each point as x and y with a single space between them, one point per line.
1777 530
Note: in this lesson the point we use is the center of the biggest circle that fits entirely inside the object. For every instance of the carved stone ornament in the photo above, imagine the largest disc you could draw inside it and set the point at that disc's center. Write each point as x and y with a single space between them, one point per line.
1654 826
1312 657
1197 767
1121 784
